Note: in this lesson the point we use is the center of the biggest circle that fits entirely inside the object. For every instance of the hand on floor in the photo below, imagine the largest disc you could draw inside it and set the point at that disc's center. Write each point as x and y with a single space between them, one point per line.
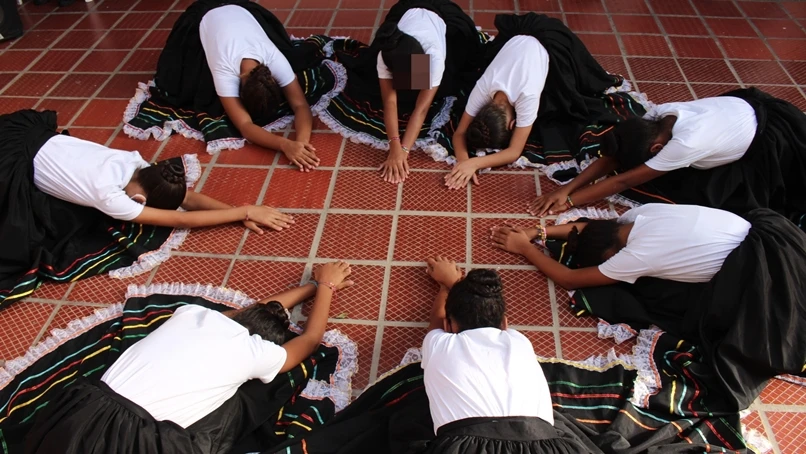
396 167
267 217
510 239
302 155
463 172
554 202
335 273
443 271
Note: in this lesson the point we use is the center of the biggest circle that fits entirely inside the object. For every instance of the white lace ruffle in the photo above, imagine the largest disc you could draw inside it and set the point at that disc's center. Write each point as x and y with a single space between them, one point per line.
588 212
412 355
339 388
792 379
57 337
620 332
141 95
221 295
648 382
604 360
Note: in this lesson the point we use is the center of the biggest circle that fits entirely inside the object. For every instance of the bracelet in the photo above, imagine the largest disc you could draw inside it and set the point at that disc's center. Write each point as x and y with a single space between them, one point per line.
570 203
315 284
247 211
392 139
331 286
541 233
404 148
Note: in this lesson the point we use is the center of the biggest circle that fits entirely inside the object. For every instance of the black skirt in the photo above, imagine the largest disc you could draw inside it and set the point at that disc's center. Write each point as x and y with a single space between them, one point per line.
511 435
182 96
90 418
45 238
574 107
357 113
748 323
771 174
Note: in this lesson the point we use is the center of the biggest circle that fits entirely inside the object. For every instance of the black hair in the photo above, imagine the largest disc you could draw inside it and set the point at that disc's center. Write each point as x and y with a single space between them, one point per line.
394 44
590 246
269 321
630 141
164 184
261 94
489 128
477 301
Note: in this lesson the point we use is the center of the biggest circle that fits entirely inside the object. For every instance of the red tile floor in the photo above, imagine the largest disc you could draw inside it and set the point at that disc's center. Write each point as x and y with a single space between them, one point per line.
85 60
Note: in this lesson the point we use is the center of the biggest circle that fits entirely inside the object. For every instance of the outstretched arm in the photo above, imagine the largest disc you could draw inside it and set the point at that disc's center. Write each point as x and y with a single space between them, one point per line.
417 118
466 170
556 201
396 167
195 201
260 215
516 241
300 154
303 118
331 277
459 140
615 184
292 297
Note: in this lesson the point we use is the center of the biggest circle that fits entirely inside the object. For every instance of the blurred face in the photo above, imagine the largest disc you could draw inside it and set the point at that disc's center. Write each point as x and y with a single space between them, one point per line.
412 72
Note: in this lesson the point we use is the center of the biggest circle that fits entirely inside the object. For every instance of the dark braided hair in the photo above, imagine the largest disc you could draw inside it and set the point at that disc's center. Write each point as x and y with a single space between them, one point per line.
269 321
396 47
477 301
590 246
630 141
489 128
261 94
164 184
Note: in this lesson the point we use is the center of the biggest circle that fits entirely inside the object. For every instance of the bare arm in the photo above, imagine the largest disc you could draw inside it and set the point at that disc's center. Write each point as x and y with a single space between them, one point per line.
438 309
292 297
599 168
389 95
250 131
302 346
190 219
395 168
417 118
562 275
615 185
195 201
459 142
303 118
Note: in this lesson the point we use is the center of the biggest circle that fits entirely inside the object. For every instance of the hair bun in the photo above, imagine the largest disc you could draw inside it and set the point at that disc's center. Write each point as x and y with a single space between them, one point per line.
484 282
173 173
275 309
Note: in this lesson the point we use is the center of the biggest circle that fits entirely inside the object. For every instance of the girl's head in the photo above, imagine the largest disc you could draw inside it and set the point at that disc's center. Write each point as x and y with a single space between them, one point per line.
632 142
476 301
260 93
269 321
397 49
161 185
597 242
491 127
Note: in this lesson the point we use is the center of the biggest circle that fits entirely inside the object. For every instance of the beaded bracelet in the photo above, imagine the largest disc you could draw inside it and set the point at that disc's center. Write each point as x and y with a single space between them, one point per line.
330 285
392 139
404 148
570 203
541 233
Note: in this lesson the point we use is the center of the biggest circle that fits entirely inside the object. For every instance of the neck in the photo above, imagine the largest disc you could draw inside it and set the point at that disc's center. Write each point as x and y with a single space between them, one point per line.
501 99
247 65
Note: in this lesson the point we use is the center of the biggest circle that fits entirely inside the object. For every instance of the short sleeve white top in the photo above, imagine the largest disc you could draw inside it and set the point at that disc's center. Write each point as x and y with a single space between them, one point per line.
519 70
88 174
429 30
684 243
481 373
192 364
708 132
229 34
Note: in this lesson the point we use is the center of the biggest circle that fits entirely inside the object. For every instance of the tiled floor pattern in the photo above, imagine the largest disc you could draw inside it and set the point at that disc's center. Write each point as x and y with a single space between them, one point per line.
85 60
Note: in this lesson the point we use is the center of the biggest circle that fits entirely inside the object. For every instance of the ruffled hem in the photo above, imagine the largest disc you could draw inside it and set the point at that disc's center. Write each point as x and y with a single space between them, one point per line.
588 212
439 120
339 389
648 382
754 439
620 332
57 337
141 95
